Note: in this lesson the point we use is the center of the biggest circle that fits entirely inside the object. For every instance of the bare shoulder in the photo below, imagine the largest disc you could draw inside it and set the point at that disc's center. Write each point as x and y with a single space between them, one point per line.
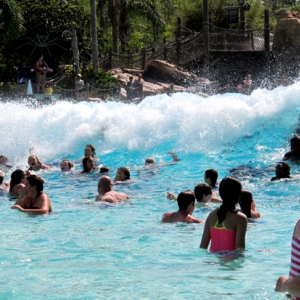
166 217
297 230
191 219
121 196
241 218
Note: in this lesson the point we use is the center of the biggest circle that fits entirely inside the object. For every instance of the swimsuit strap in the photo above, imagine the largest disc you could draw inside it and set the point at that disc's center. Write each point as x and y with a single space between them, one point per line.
223 226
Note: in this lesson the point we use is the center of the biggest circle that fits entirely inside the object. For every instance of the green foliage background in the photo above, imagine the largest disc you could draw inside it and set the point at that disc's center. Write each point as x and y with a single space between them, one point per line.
143 18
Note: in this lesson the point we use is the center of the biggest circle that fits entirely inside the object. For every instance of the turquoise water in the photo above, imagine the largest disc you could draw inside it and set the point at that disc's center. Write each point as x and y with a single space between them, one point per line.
88 250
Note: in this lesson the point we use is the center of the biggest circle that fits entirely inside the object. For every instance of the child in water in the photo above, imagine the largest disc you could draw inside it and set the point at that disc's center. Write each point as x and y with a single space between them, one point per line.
225 227
203 193
247 205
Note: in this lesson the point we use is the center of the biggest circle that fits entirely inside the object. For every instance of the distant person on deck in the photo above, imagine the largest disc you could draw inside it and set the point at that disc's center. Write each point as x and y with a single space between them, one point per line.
41 71
79 84
131 89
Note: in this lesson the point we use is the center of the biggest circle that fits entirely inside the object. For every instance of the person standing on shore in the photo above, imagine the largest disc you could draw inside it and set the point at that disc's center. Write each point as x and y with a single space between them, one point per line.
79 84
41 71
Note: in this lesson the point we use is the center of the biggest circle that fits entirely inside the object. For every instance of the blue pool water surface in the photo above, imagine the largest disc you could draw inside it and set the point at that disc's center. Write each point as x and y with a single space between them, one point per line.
88 250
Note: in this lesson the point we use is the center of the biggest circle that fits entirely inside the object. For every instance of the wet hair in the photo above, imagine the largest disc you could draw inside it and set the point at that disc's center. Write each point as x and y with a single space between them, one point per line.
71 165
295 139
286 168
126 172
149 161
1 176
84 164
245 202
104 169
38 161
15 178
230 191
37 181
213 175
3 157
202 189
184 199
93 149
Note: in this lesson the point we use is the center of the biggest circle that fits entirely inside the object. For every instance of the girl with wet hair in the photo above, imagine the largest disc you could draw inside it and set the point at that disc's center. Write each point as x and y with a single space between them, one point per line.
226 227
247 205
88 164
17 182
35 164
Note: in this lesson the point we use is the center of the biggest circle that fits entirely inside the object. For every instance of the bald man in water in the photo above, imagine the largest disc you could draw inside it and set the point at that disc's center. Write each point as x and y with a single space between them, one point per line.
106 193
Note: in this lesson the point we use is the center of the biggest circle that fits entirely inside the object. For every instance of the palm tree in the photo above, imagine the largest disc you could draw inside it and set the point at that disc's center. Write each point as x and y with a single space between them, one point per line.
119 12
12 25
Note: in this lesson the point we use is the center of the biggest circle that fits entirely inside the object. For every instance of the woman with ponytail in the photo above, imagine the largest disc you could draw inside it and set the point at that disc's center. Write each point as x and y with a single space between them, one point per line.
226 227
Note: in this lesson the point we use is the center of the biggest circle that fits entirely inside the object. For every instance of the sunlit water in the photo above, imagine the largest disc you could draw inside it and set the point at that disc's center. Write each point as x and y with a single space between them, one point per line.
88 250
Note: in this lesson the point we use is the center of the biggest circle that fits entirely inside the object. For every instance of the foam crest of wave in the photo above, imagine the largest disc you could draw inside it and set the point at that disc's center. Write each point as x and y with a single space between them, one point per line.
187 122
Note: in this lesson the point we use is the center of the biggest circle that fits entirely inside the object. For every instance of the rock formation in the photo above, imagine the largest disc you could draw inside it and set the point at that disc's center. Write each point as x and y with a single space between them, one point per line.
286 42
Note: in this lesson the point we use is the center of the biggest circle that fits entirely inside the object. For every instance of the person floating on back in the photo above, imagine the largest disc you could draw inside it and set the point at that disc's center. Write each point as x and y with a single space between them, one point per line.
225 227
186 204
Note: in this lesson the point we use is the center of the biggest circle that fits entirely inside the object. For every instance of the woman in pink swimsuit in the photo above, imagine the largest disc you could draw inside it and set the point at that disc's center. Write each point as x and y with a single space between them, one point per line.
226 227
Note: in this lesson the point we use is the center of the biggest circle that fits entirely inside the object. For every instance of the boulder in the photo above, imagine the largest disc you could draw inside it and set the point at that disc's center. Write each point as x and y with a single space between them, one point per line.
160 70
287 35
286 43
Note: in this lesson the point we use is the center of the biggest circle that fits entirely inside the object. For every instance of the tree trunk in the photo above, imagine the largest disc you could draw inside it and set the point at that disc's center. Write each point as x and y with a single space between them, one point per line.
75 48
123 26
113 9
94 36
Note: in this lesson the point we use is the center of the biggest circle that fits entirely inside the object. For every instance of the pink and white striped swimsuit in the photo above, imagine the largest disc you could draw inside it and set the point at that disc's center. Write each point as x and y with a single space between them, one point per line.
295 259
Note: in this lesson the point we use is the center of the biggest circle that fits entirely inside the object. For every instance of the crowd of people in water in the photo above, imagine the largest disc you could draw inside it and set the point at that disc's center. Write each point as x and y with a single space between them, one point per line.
225 227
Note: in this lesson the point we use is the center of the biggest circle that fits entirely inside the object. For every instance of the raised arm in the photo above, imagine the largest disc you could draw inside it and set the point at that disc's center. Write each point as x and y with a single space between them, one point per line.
174 155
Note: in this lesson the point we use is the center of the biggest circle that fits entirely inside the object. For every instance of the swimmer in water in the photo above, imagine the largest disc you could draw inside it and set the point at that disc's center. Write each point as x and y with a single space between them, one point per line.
88 164
294 154
89 150
34 199
211 177
203 193
247 205
123 175
3 160
66 165
282 171
17 182
151 161
4 186
226 227
35 164
186 205
106 193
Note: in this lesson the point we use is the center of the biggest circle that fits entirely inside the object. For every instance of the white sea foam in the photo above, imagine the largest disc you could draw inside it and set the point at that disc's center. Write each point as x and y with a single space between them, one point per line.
189 122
